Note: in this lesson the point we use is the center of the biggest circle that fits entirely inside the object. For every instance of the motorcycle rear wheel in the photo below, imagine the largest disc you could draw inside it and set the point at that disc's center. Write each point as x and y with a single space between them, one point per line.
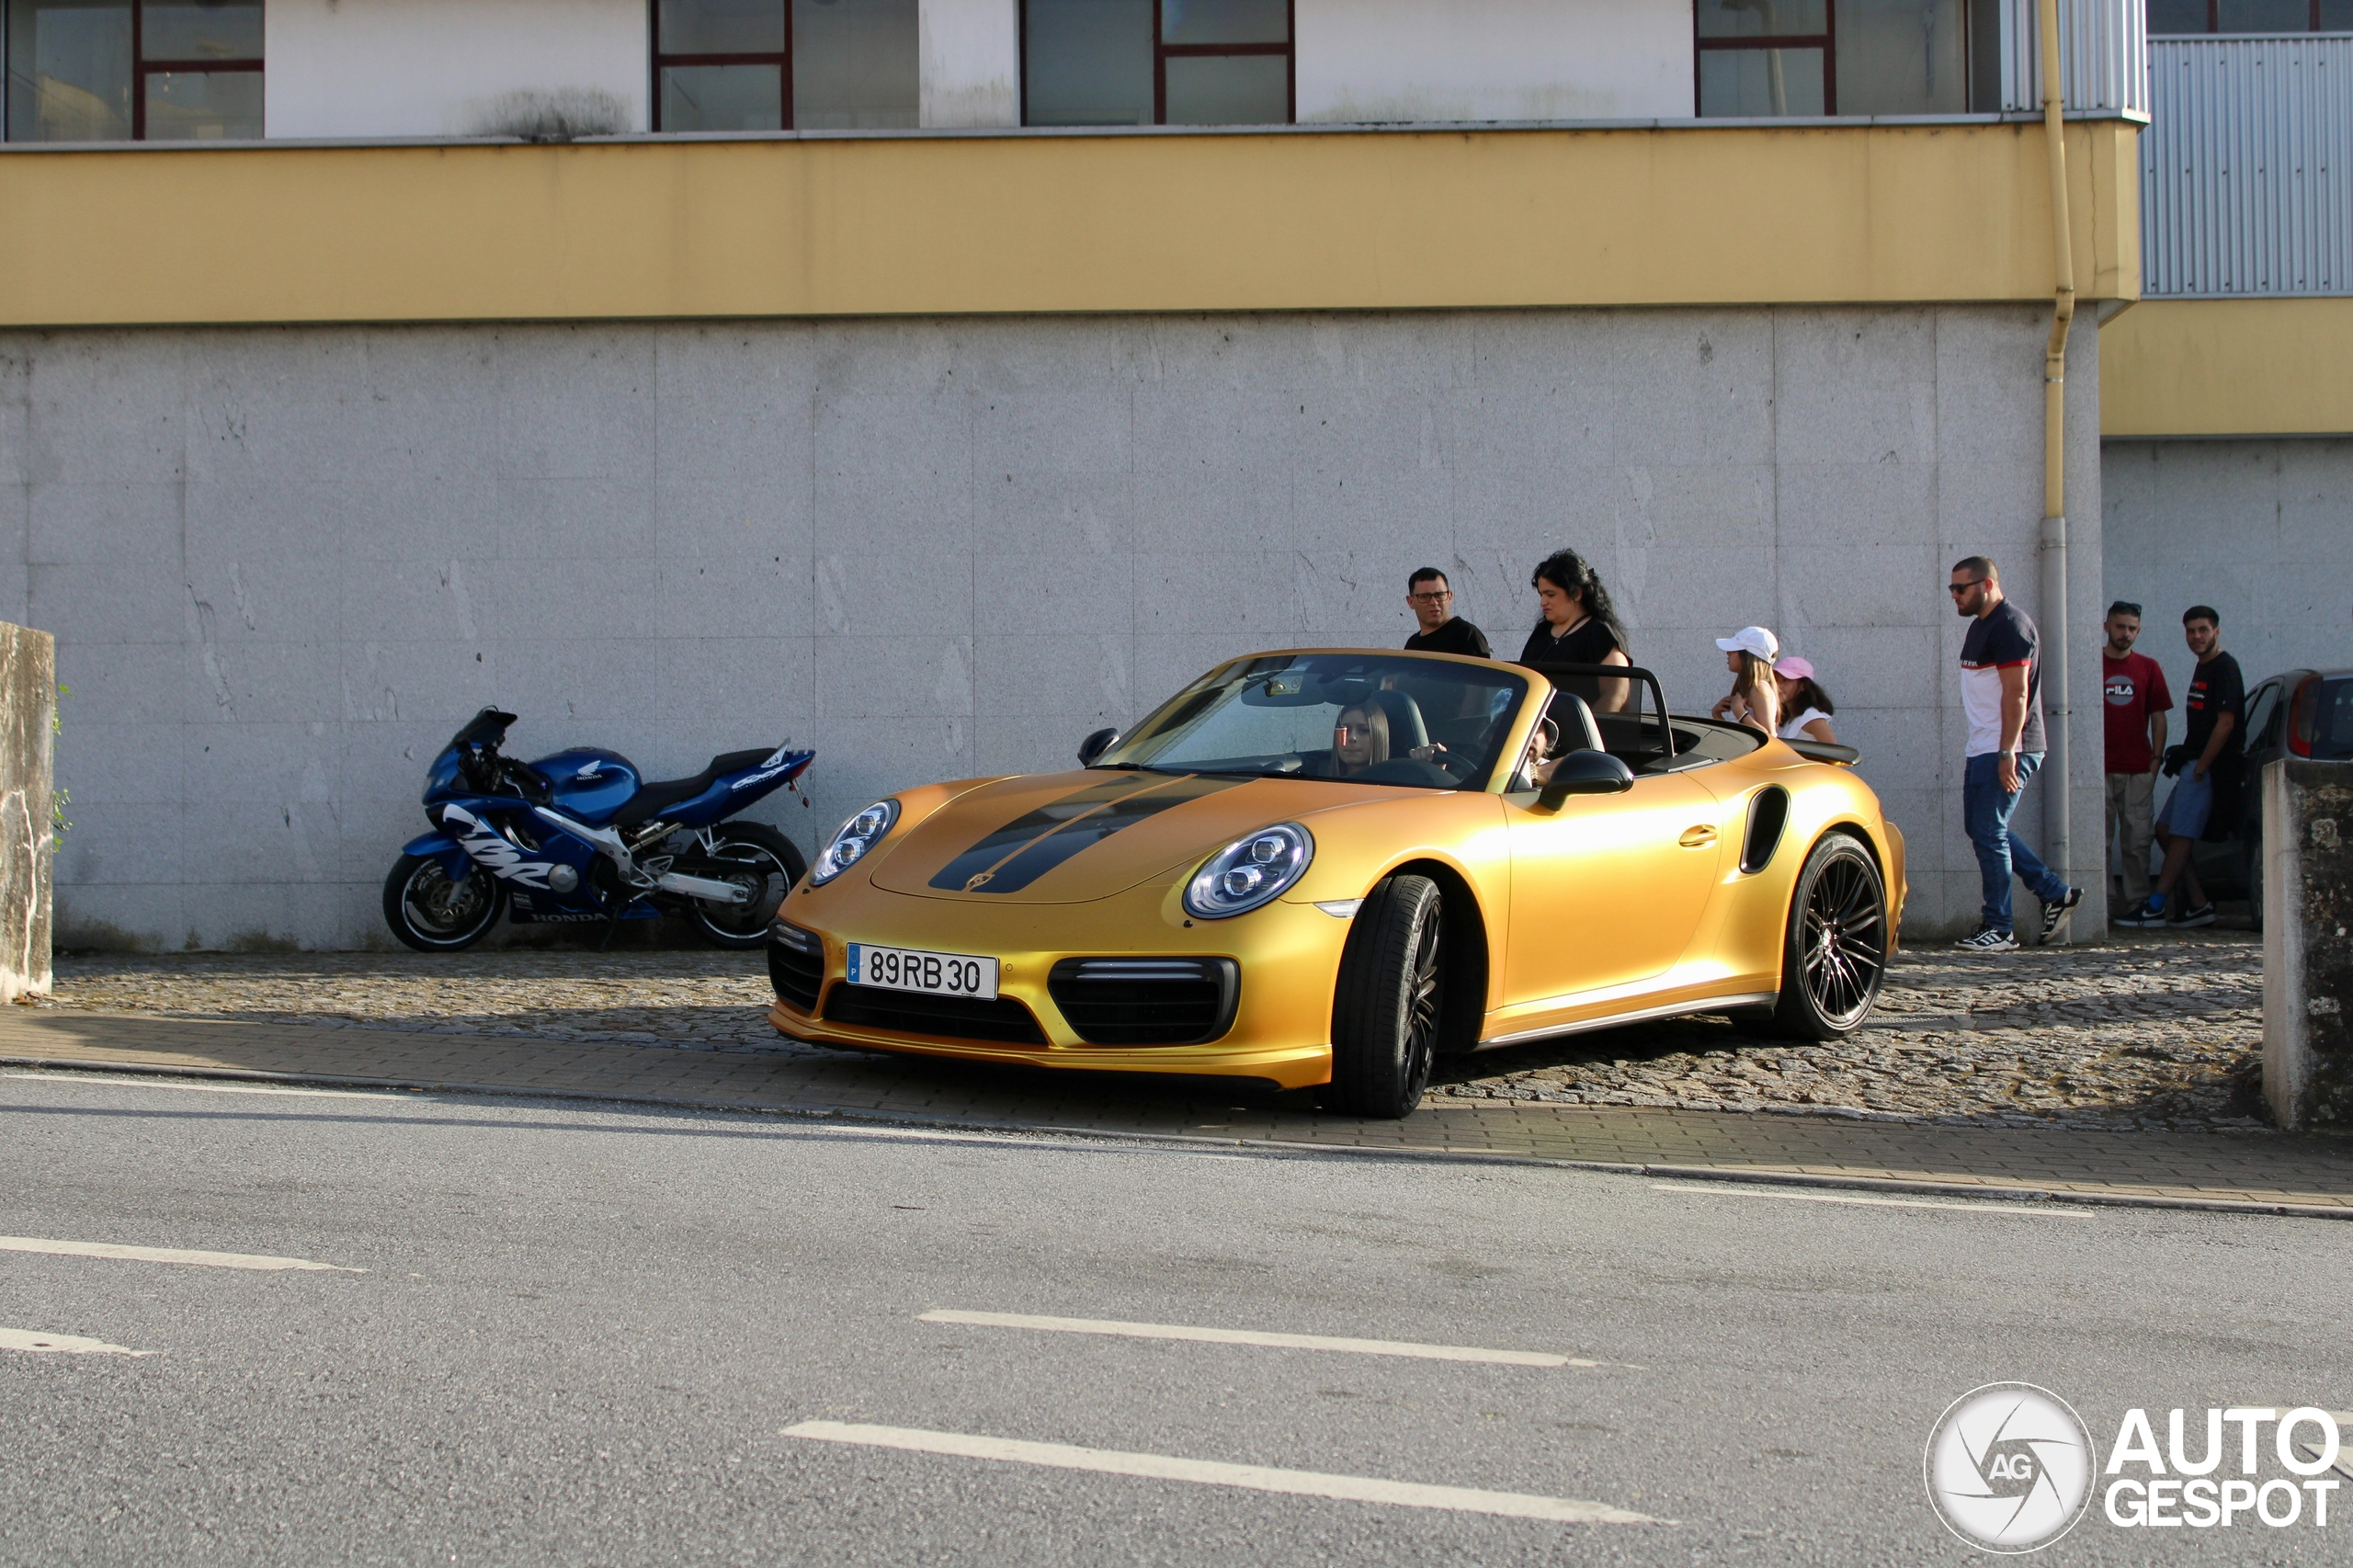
429 912
762 861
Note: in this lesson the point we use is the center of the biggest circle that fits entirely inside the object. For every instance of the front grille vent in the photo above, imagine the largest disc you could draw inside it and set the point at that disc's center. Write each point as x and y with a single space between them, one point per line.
1146 1001
796 964
913 1011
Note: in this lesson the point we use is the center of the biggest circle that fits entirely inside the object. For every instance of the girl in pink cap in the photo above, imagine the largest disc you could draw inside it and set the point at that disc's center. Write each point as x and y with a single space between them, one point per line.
1805 707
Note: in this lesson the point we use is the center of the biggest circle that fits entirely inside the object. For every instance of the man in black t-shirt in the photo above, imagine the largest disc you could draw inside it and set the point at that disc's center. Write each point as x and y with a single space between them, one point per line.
2205 769
1431 599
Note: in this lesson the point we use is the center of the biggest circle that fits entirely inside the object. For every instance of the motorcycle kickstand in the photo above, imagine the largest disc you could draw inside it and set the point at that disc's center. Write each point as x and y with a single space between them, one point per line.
613 925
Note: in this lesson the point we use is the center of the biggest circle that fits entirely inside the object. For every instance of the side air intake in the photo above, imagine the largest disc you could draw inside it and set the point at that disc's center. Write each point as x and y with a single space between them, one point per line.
1769 813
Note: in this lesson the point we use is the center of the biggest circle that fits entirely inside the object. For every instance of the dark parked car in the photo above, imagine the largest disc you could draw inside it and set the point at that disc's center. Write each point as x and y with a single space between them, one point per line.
2296 713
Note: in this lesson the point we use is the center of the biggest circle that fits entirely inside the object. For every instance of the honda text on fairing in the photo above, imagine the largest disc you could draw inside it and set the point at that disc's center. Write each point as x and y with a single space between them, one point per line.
1330 867
580 837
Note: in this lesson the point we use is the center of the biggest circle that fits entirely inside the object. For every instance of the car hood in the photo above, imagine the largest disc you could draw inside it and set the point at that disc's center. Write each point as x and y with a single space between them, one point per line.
1071 837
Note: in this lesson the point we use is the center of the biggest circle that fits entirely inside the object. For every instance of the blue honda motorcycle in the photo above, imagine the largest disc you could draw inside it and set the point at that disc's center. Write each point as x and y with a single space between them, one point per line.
579 837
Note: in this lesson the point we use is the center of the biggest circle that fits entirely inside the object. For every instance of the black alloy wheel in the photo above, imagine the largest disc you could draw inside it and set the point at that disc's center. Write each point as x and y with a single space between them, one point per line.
1391 1000
1835 954
435 912
761 861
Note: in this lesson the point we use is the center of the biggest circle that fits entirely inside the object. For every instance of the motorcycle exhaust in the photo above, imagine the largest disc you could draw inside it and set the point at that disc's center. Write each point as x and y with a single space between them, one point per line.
702 888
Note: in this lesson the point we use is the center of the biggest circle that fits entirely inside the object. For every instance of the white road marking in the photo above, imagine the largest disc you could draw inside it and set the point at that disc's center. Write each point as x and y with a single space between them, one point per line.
1209 1472
165 1255
2013 1209
114 1082
1251 1337
61 1344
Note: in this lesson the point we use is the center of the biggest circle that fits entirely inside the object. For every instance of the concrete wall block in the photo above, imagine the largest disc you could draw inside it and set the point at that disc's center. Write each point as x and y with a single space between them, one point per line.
1859 503
133 764
893 677
892 465
2307 959
737 519
579 404
1694 386
545 520
733 402
1049 432
1989 386
739 691
1061 679
130 600
1058 511
1072 593
16 412
125 843
754 595
1246 596
121 917
106 407
1855 386
105 523
1854 585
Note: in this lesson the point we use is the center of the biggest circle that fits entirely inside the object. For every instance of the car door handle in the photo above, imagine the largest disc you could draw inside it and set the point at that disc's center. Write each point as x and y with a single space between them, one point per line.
1697 837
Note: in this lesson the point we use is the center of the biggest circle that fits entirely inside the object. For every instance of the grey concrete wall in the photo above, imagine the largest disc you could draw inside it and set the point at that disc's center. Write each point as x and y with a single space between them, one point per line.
284 564
2261 530
2307 959
27 720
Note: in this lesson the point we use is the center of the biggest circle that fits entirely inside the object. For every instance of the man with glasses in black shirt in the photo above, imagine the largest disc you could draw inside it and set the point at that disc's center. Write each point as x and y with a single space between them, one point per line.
1431 599
2205 798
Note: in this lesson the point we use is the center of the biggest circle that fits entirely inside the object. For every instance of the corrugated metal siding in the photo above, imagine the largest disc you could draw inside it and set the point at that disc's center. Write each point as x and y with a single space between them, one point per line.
2105 46
2246 168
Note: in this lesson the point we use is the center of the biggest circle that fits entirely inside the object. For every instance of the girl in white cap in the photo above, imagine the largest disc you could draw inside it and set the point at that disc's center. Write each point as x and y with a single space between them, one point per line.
1754 700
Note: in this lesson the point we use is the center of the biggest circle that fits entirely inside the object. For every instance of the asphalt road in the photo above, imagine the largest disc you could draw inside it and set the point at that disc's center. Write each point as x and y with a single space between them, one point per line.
581 1336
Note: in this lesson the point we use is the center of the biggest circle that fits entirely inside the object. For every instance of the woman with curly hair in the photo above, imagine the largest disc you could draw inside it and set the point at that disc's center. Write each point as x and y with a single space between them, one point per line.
1577 626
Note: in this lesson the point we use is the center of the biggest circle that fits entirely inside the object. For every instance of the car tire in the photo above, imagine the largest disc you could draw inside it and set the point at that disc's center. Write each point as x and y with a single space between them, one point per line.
1833 948
1390 1006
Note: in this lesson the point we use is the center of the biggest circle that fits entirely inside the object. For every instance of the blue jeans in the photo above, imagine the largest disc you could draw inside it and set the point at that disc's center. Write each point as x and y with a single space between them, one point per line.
1985 809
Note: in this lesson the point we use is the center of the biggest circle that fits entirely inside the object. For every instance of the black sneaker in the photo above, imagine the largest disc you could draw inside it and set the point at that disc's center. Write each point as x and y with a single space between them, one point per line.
1985 939
2149 915
2056 916
2201 915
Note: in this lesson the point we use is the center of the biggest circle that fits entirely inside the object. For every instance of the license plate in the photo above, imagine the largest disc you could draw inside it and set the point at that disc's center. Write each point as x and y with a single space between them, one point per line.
936 975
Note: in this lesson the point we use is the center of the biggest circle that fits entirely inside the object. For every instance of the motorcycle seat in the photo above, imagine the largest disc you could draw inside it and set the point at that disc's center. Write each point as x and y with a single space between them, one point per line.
651 800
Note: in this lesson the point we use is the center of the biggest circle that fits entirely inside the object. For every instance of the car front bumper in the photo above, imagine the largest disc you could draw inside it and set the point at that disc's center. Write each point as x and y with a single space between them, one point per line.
1287 955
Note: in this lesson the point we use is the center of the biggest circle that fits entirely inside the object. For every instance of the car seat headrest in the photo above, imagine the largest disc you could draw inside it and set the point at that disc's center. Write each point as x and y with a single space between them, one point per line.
1406 731
1578 730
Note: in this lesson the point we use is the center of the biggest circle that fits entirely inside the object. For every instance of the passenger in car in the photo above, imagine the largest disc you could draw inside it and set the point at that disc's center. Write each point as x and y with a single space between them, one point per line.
1755 699
1805 707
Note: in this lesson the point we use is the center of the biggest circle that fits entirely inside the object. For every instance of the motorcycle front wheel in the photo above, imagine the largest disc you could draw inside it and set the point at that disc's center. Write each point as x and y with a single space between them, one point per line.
434 913
761 861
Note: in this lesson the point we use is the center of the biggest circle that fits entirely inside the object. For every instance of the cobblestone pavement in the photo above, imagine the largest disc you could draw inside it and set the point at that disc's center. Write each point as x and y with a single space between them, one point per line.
2155 1030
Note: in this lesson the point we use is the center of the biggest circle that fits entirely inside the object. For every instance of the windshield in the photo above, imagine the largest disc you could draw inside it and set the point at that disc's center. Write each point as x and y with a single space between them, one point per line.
1370 718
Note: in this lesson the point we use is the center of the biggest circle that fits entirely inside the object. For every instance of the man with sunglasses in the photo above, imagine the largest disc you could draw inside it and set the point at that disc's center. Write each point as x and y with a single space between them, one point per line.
2134 702
2001 694
1431 598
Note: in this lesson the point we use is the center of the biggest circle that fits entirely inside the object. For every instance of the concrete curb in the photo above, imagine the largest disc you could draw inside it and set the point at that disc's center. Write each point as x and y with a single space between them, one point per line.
1289 1147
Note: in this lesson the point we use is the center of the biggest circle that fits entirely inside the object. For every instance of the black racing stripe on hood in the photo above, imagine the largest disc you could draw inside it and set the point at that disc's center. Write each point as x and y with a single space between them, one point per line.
1017 854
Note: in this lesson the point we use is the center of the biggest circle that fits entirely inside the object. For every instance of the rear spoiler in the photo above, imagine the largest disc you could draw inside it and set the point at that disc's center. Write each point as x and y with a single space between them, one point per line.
1823 751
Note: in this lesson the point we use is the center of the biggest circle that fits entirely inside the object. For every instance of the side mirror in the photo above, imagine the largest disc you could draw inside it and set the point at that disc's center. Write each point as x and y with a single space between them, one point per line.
1095 745
1585 773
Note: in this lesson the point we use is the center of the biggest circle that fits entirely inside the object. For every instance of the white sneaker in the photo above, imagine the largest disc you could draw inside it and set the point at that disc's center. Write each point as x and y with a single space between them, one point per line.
1985 939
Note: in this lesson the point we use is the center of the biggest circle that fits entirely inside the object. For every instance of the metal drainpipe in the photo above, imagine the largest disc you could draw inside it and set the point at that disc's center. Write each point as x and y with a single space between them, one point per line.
2053 549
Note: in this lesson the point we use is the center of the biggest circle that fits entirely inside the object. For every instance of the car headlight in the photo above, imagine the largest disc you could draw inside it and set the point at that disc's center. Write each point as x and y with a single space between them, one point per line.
858 835
1249 871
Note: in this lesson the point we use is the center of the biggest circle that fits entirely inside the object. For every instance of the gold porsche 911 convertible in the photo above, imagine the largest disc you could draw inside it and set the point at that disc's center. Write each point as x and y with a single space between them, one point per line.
1332 866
